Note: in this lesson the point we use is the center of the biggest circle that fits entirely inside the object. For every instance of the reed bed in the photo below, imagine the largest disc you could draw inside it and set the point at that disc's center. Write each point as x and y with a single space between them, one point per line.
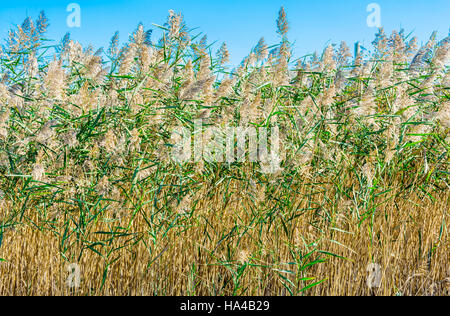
91 202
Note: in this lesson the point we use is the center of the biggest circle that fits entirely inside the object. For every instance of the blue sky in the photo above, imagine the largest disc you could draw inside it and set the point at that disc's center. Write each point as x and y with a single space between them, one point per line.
240 23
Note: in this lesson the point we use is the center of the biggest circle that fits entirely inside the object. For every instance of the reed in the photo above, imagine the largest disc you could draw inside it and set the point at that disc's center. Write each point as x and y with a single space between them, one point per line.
87 181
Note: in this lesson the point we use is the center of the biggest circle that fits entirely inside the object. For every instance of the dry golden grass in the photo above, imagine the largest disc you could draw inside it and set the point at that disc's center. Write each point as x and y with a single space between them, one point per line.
193 260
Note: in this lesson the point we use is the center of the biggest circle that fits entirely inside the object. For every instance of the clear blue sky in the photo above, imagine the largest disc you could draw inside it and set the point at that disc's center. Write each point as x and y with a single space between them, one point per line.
240 23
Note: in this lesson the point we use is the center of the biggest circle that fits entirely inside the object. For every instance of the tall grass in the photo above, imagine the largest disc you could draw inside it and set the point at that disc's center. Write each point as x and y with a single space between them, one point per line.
86 176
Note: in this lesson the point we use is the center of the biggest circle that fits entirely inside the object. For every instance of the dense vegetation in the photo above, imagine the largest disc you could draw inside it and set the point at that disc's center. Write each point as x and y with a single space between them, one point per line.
86 175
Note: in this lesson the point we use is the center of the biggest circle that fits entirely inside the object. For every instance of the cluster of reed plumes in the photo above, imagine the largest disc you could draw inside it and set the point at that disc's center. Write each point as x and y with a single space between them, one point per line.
87 180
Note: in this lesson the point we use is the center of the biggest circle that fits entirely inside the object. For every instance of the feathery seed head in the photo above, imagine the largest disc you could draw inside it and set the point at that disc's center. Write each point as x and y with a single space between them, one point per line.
223 54
282 23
